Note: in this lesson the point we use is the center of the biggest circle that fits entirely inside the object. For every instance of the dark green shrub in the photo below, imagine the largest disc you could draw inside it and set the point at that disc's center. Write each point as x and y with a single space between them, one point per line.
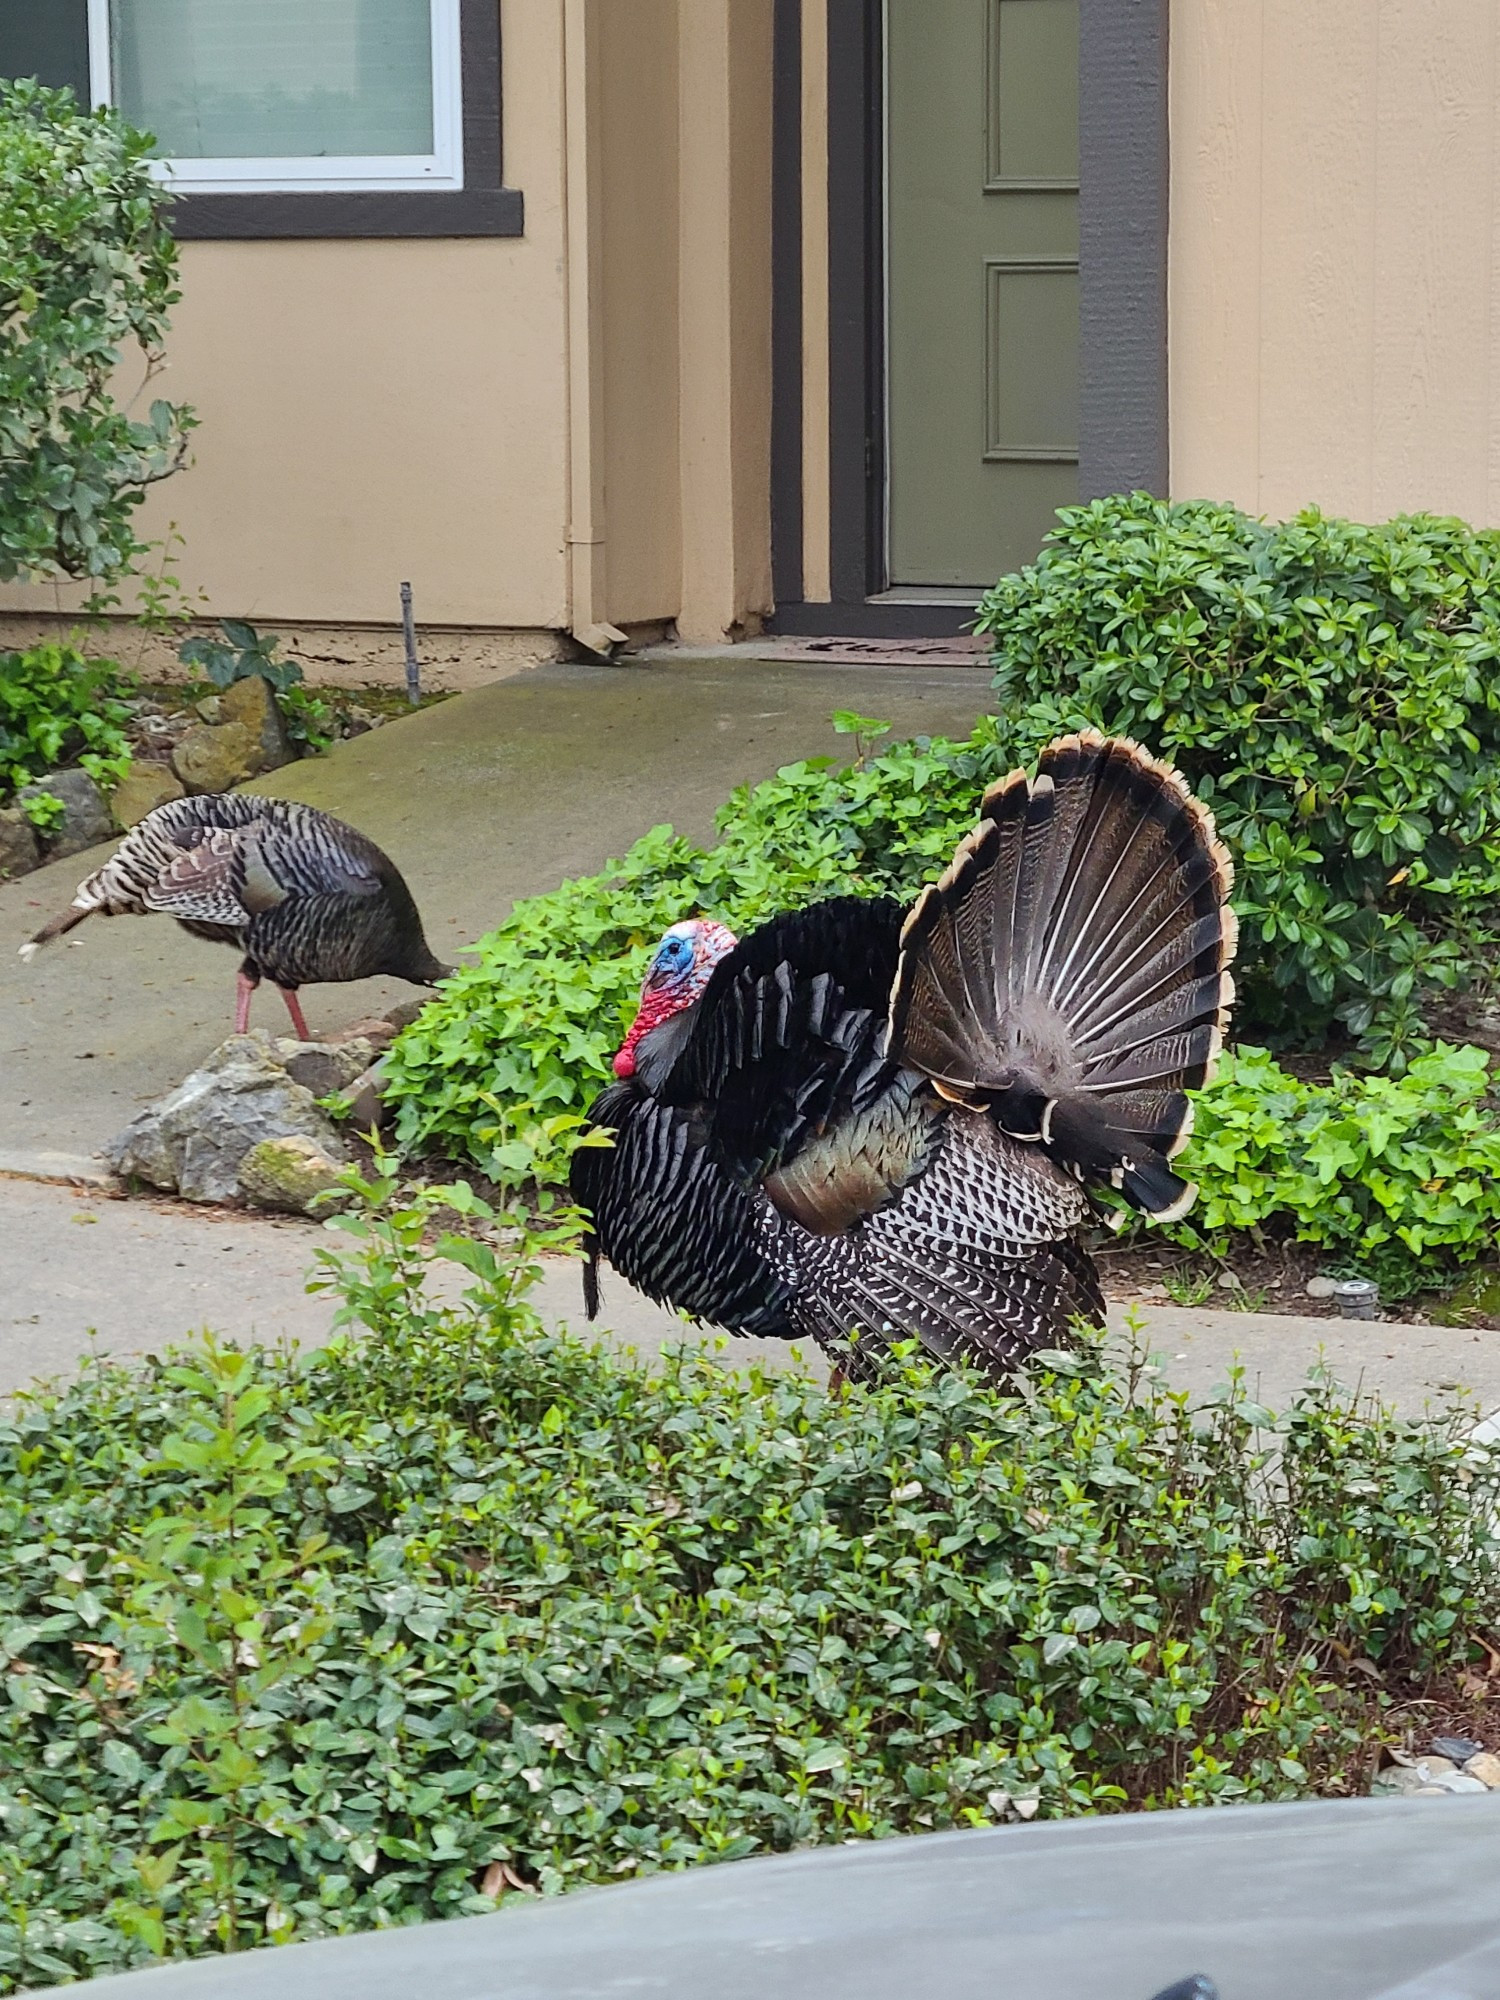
1330 690
297 1645
57 707
1397 1177
86 265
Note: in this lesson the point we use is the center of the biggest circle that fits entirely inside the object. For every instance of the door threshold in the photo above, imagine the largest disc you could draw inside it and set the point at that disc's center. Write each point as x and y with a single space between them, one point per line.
965 595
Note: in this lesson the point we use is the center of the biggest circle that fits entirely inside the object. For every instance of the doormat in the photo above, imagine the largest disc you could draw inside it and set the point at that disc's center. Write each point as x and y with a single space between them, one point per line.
964 650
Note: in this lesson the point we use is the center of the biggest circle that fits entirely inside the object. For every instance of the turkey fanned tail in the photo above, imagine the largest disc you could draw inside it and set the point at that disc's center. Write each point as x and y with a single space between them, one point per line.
1069 971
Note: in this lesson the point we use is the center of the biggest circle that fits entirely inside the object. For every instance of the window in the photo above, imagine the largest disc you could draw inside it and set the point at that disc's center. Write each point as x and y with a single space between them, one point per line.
294 117
280 95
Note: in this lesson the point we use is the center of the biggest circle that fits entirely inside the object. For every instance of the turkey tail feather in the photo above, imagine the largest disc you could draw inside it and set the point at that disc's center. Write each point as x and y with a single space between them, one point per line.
1069 970
55 927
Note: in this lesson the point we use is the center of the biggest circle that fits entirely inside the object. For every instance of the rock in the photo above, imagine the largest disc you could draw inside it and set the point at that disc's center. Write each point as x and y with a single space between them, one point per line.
1459 1781
1458 1749
251 738
1486 1768
1230 1281
216 759
144 787
1432 1770
193 1140
210 709
379 1032
85 819
253 703
405 1012
365 1108
323 1067
1320 1287
294 1174
1396 1781
20 850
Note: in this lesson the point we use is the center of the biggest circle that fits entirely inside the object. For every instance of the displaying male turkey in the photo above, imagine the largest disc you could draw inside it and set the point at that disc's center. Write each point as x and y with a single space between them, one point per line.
304 897
864 1125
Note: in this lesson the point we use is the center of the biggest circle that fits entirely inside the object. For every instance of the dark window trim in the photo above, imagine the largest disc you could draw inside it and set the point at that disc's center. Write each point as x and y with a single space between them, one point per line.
786 299
1123 164
482 207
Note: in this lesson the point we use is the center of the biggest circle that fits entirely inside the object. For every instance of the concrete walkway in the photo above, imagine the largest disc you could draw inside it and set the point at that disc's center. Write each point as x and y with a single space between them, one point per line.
484 799
481 800
82 1272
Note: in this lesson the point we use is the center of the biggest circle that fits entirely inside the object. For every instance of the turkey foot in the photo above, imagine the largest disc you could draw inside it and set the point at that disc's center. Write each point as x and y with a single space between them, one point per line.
294 1008
244 986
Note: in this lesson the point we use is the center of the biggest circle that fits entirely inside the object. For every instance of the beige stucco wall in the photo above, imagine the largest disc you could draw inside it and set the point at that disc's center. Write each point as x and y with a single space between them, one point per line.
567 430
380 411
1335 262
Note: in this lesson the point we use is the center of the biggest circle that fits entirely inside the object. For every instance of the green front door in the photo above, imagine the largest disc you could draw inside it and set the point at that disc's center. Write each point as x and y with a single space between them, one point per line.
982 283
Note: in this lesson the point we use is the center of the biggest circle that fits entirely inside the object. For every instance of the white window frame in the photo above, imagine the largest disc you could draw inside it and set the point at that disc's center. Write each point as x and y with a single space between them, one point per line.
330 174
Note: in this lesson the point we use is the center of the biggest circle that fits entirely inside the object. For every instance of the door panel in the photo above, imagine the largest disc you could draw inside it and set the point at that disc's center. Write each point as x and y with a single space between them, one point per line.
982 283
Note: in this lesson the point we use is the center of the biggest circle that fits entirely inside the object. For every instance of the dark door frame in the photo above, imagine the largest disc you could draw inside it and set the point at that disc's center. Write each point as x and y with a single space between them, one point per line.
1123 196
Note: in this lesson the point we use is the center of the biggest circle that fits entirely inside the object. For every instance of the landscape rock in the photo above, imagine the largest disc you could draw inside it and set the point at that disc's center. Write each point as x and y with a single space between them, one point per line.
194 1140
20 850
1398 1781
1459 1781
406 1011
323 1067
376 1030
1320 1287
251 738
365 1108
1486 1768
1458 1749
85 819
217 757
210 709
292 1174
144 787
252 702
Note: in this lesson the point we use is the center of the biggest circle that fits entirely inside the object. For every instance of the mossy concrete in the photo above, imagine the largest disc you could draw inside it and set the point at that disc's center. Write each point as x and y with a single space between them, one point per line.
481 800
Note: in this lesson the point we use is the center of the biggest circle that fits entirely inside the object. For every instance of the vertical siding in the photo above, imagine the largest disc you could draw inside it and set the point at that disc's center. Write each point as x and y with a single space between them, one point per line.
1334 260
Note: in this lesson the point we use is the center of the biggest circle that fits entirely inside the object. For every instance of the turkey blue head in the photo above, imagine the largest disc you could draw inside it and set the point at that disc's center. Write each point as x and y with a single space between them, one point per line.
680 968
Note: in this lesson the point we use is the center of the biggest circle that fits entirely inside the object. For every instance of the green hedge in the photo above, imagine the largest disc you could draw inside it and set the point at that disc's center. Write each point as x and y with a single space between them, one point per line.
1330 690
294 1646
1397 1178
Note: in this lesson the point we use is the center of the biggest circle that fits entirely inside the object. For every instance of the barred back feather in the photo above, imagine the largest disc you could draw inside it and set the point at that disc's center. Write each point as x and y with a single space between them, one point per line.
306 898
871 1128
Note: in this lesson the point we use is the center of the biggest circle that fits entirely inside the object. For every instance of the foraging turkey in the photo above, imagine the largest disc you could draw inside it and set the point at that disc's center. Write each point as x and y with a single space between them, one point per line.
864 1125
307 899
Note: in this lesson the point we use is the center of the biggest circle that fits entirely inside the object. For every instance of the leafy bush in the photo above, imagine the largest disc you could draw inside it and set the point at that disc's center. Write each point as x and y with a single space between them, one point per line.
57 707
297 1645
1399 1177
535 1020
86 264
1330 690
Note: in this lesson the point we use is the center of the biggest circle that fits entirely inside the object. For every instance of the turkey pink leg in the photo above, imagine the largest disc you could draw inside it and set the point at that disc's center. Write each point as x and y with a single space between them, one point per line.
243 988
294 1008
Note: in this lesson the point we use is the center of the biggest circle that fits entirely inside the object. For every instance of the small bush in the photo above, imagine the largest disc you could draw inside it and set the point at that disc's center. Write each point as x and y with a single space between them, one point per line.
1331 691
1398 1177
529 1028
299 1645
56 707
87 264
